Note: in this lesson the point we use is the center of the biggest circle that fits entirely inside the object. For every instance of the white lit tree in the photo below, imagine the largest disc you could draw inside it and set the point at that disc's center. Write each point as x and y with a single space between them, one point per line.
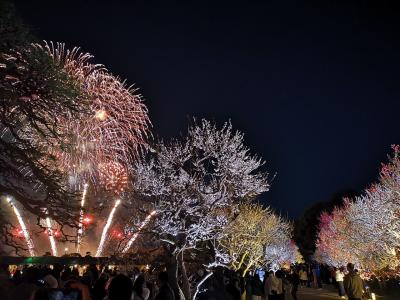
195 186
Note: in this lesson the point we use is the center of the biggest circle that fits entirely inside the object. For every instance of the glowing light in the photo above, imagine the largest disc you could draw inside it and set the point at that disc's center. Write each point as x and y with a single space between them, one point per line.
87 220
106 227
28 239
134 237
51 237
117 234
81 220
113 177
101 115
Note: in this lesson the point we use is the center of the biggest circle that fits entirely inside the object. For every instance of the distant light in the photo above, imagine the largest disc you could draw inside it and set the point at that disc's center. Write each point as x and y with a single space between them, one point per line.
101 115
87 220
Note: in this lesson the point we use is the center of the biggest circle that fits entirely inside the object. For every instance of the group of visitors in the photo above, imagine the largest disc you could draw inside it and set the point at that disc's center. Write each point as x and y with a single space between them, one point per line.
36 282
350 283
273 286
39 282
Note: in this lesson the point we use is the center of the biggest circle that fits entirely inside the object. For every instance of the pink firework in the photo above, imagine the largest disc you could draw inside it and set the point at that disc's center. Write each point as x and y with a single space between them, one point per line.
117 123
113 177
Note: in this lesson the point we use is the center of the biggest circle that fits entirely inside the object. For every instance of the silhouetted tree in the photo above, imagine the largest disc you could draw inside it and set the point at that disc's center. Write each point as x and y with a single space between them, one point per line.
306 226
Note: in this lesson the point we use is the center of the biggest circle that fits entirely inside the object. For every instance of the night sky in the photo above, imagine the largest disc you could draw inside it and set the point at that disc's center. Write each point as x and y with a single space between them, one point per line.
314 85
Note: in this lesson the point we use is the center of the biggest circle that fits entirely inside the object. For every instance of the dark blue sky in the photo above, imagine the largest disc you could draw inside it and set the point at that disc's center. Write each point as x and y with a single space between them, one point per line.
315 85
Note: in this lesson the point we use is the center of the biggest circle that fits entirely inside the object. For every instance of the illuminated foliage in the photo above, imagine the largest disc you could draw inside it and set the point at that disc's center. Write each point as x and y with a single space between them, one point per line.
195 185
366 231
36 95
257 237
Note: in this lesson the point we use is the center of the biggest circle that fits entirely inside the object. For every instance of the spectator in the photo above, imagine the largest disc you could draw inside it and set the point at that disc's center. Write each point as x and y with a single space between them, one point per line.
28 286
99 289
256 287
233 288
5 285
303 276
273 287
140 291
339 277
165 291
316 271
295 281
120 288
353 284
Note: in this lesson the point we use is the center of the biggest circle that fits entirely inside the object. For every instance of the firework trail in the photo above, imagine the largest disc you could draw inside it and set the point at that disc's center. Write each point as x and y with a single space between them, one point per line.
107 134
80 225
28 239
134 237
51 237
106 227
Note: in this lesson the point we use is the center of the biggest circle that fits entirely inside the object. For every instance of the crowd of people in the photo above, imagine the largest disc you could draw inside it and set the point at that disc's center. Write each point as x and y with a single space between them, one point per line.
39 282
104 283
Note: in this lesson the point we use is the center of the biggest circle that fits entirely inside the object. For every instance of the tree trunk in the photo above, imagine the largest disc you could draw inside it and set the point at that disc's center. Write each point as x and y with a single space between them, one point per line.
185 279
172 270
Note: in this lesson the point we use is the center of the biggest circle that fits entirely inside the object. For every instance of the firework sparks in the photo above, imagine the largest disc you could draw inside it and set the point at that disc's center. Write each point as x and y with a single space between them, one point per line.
134 237
117 122
25 232
80 224
106 227
51 237
113 177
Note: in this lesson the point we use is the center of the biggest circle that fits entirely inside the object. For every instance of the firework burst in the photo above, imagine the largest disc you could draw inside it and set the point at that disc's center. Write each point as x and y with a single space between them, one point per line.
117 122
113 177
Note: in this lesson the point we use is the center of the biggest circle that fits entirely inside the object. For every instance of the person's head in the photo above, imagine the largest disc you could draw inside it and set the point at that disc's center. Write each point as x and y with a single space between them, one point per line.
138 285
50 281
255 276
163 278
350 267
31 275
271 273
120 288
40 294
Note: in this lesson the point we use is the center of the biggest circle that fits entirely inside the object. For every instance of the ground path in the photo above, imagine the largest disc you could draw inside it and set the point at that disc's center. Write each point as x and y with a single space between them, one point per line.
327 293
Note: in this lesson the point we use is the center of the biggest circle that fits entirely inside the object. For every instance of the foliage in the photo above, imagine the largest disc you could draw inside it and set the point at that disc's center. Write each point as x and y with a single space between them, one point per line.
35 96
306 226
195 185
366 231
255 238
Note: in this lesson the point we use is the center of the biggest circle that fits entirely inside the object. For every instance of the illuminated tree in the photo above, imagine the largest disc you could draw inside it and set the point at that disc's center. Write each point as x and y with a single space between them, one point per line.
36 95
195 184
257 237
366 230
